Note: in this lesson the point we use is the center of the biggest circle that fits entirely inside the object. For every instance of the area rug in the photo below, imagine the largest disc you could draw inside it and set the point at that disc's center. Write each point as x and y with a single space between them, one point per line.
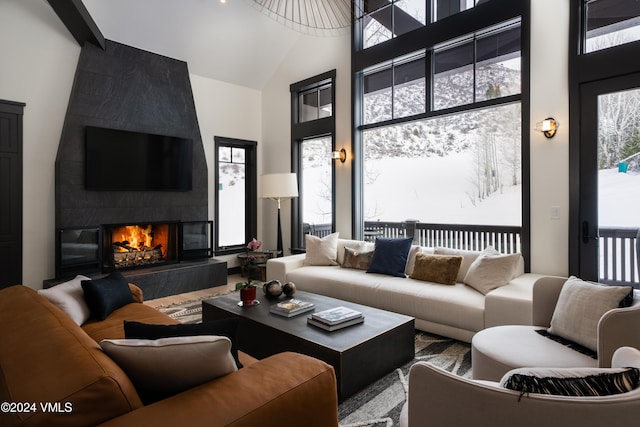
188 311
378 405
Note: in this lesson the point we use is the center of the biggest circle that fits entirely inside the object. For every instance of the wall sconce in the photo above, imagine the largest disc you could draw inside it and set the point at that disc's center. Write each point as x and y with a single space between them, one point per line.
548 127
339 155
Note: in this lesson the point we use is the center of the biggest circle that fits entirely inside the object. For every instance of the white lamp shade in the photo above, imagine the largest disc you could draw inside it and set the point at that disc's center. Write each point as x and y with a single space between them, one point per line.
278 186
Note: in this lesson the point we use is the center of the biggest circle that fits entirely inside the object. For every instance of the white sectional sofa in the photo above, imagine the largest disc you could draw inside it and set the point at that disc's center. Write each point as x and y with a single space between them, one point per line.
457 311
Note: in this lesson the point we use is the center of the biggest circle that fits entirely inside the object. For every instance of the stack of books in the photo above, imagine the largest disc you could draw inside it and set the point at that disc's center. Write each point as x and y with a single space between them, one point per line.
335 318
291 308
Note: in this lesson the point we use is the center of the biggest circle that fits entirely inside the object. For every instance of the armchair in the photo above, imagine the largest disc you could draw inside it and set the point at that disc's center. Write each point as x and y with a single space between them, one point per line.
499 349
439 398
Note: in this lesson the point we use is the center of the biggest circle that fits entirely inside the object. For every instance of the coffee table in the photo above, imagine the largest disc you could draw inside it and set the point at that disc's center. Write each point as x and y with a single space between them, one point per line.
359 354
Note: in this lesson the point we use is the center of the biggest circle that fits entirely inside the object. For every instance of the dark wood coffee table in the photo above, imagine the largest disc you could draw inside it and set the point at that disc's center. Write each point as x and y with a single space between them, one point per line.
359 354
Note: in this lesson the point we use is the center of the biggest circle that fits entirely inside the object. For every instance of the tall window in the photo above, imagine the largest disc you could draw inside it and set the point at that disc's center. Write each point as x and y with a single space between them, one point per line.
235 221
312 131
440 133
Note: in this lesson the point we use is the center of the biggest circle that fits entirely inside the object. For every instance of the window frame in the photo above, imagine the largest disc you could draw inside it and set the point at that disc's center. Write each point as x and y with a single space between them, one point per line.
301 131
251 193
472 21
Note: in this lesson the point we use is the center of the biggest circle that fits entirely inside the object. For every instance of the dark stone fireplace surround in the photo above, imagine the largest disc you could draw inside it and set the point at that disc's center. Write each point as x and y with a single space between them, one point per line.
126 88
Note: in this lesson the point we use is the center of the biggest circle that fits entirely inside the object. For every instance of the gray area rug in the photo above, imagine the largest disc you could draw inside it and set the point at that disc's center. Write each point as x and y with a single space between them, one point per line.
378 405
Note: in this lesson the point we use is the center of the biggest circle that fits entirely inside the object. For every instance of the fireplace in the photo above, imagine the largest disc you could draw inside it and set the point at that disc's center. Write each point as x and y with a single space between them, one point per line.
127 246
108 247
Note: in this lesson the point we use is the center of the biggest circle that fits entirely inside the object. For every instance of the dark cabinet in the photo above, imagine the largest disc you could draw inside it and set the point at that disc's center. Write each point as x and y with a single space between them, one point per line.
10 193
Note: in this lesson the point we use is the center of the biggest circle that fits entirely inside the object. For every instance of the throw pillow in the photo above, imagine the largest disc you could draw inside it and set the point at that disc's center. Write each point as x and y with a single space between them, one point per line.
467 259
390 256
579 309
437 268
491 270
103 296
357 259
224 327
136 293
411 258
163 367
321 251
572 381
68 296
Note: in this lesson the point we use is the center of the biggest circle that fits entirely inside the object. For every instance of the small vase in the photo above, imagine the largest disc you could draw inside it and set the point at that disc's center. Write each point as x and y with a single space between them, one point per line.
247 295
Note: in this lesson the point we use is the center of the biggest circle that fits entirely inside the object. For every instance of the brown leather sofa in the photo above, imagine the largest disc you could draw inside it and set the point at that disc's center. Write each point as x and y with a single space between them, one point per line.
47 359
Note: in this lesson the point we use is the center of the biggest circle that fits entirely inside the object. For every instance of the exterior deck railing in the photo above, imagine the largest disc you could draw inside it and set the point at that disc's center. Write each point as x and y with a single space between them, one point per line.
618 256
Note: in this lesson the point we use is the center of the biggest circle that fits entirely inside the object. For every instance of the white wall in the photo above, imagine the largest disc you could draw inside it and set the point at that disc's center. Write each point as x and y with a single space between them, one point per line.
230 111
39 59
309 57
550 157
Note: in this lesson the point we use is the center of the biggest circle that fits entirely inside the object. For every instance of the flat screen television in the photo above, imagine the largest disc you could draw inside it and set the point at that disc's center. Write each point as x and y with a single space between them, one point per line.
120 160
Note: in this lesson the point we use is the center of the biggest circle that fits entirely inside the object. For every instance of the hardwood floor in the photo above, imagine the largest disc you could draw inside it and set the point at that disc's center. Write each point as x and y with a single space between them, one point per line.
190 296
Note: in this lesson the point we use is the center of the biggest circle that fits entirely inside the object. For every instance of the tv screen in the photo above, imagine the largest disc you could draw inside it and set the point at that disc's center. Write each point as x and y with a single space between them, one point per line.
119 160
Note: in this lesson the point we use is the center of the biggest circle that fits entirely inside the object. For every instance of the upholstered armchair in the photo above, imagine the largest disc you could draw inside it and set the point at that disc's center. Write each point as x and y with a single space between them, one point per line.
439 398
499 349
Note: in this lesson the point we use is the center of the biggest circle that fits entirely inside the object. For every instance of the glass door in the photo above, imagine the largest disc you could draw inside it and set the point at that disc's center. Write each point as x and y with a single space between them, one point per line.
610 180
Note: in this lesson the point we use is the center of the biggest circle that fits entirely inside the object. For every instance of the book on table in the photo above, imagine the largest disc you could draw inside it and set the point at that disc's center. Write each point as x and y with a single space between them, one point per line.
326 327
291 308
335 316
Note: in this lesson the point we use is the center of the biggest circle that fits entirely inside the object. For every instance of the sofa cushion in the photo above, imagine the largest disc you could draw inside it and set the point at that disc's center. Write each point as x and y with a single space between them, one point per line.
69 297
390 256
581 305
437 268
572 381
224 327
467 259
321 251
356 259
166 366
491 270
105 295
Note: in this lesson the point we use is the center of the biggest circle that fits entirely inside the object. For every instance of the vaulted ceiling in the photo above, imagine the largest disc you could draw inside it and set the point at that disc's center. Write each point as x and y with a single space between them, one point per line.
232 41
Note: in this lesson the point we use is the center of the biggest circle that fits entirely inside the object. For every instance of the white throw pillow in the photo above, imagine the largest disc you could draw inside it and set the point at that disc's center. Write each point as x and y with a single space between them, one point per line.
491 270
170 365
579 309
321 251
69 297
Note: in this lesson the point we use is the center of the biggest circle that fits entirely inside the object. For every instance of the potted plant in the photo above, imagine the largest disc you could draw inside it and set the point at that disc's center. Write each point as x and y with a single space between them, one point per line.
247 292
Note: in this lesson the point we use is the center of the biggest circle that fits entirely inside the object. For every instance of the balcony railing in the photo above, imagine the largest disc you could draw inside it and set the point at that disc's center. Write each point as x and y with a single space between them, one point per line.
618 256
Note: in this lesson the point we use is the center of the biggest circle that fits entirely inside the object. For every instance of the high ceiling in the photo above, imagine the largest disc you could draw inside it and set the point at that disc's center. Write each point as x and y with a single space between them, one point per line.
232 42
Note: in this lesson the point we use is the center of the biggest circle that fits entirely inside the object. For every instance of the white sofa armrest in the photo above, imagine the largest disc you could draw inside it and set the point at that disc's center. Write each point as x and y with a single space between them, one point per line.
440 398
513 304
618 328
277 268
545 297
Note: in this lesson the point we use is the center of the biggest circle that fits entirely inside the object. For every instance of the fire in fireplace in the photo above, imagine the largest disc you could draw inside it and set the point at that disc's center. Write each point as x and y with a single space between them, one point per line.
139 245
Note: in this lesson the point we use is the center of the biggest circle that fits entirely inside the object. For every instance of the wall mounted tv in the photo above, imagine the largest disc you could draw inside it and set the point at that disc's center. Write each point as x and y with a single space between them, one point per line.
119 160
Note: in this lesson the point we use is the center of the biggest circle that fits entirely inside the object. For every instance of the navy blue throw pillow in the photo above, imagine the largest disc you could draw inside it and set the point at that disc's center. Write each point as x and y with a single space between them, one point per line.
104 296
390 256
222 327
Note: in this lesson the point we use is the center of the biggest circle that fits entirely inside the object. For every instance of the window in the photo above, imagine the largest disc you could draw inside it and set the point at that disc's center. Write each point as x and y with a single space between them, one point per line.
610 23
383 20
458 169
236 194
312 130
439 131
